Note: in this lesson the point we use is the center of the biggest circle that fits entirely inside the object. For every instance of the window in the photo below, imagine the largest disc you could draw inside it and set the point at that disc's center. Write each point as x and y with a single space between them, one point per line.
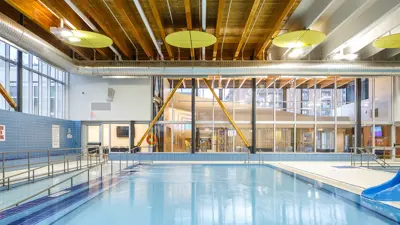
43 85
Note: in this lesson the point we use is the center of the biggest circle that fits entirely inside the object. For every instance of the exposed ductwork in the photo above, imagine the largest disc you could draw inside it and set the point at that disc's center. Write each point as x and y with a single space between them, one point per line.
15 33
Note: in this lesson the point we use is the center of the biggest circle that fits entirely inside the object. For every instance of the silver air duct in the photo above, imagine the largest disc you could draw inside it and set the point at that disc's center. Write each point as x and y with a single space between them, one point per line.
15 33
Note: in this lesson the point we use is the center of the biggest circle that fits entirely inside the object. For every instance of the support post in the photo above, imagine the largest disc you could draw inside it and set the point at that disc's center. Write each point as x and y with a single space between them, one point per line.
253 115
159 112
19 72
227 114
193 115
358 115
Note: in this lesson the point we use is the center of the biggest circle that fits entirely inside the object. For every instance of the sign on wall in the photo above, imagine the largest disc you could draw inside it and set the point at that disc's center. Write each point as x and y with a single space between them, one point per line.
2 133
55 136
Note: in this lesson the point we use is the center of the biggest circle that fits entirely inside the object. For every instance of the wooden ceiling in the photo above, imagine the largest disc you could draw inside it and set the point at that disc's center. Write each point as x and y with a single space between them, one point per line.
252 24
281 82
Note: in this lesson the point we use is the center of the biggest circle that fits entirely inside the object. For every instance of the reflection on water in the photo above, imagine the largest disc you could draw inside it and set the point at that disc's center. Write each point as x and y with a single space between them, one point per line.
217 194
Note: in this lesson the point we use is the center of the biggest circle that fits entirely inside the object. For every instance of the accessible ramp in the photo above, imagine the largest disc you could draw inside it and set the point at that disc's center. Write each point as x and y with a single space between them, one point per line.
388 191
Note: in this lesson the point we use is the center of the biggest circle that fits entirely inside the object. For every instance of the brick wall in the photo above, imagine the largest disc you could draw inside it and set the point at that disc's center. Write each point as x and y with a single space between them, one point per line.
29 132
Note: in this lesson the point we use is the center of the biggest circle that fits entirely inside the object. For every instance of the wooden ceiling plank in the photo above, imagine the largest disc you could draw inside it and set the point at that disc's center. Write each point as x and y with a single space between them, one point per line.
270 81
285 82
249 23
99 17
278 18
315 81
124 11
302 81
154 10
221 5
188 14
343 82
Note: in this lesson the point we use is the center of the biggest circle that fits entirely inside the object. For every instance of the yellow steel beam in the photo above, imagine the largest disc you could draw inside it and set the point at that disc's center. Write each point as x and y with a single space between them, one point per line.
160 112
7 97
227 114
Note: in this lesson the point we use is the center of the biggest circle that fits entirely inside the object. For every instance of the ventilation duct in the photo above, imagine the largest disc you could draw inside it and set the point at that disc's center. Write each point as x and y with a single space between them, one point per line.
15 33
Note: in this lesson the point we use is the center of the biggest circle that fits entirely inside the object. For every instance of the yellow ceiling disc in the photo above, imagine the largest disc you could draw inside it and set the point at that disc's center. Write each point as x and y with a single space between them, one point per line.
88 39
299 39
190 39
390 41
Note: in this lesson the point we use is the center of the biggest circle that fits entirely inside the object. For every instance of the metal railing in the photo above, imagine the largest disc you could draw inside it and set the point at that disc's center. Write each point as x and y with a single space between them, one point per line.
369 154
32 175
71 179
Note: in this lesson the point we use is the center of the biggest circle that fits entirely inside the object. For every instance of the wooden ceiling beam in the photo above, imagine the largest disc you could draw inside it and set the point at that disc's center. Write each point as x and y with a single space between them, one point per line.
154 10
343 82
285 82
270 81
301 81
44 18
246 29
278 18
315 81
98 12
188 13
125 11
241 84
221 4
328 82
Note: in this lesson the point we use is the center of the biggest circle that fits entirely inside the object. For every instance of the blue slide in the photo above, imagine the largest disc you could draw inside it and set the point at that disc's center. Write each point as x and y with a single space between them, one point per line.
388 191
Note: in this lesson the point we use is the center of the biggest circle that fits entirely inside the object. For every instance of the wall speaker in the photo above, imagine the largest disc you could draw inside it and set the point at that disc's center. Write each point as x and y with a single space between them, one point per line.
110 94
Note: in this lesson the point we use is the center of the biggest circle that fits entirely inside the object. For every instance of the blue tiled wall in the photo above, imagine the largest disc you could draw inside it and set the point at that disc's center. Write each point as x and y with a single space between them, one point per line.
29 132
236 157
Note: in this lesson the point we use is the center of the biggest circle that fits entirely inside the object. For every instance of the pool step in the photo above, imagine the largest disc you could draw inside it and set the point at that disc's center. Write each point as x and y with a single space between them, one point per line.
52 207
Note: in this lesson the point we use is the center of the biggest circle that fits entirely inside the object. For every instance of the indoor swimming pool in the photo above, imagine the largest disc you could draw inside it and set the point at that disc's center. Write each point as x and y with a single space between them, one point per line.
217 194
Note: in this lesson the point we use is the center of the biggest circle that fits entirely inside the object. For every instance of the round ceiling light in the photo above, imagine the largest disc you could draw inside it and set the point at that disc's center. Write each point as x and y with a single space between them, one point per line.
390 41
86 39
190 39
299 39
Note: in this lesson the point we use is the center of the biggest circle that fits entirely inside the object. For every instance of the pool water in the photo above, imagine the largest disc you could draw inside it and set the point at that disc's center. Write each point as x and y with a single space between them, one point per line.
216 195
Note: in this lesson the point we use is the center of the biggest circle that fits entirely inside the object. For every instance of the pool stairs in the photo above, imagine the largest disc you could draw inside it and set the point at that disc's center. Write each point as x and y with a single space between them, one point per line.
49 208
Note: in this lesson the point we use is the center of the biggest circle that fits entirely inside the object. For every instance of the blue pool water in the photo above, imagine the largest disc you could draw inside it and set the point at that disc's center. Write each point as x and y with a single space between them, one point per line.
217 195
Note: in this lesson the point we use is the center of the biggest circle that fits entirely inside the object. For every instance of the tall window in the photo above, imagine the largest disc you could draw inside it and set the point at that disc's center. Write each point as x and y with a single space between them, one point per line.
43 85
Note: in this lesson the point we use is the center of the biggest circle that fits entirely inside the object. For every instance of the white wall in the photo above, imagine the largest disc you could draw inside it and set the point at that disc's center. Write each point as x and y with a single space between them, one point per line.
132 100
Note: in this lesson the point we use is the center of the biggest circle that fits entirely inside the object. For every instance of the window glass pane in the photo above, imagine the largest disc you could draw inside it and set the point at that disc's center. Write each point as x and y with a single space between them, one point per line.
2 49
366 102
13 54
25 59
284 137
13 81
52 98
2 81
44 99
59 100
383 99
25 91
305 138
35 63
44 68
345 96
345 138
35 94
53 72
325 138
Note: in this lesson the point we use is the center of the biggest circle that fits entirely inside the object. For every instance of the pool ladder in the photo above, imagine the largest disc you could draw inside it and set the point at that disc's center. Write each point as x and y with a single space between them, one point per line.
247 161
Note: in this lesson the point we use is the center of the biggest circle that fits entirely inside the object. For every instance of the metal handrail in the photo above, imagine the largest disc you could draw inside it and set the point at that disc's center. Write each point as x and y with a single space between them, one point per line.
52 150
48 173
49 188
369 152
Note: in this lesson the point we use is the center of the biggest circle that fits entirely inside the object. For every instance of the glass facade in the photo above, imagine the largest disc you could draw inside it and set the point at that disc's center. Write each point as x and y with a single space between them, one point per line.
294 114
43 85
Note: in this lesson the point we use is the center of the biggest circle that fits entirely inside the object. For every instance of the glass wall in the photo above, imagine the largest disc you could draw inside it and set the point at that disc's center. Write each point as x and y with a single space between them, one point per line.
43 85
294 114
